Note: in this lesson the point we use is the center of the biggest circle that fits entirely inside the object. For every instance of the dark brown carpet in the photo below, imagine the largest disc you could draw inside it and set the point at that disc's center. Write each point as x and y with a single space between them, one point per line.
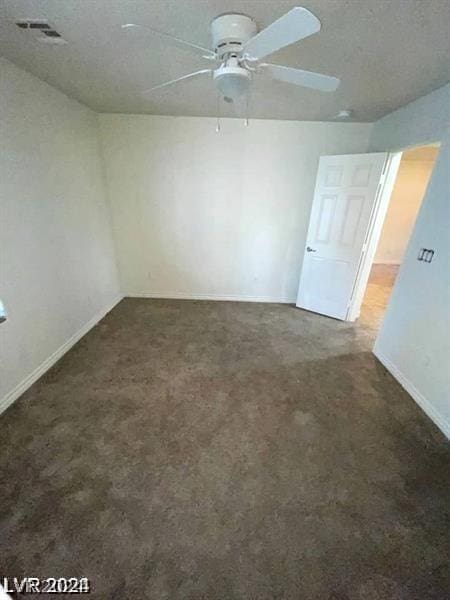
209 450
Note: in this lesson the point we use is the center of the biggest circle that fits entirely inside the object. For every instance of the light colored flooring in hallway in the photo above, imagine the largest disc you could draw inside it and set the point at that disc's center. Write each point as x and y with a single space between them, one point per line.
379 289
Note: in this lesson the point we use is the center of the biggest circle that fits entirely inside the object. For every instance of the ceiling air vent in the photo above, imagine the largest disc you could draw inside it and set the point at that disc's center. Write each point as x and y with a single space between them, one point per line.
41 30
33 24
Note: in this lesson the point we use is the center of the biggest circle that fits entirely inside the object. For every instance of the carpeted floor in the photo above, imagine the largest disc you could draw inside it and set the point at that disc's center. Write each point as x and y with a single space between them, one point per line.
212 451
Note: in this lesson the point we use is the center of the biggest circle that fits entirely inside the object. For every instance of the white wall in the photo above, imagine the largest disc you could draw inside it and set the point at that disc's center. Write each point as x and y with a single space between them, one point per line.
57 267
414 341
201 214
409 189
421 122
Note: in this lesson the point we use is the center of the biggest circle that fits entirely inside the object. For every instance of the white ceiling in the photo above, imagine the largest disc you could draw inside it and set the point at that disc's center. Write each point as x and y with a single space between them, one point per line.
386 52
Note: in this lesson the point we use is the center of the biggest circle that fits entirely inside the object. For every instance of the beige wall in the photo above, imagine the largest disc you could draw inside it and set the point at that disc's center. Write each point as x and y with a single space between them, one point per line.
413 342
198 214
409 190
57 263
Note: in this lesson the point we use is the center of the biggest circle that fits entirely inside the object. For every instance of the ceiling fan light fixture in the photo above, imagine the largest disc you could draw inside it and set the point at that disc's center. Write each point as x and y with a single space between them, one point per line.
232 82
239 46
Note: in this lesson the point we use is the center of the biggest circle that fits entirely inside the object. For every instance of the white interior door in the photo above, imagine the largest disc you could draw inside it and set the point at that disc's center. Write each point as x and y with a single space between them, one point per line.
347 189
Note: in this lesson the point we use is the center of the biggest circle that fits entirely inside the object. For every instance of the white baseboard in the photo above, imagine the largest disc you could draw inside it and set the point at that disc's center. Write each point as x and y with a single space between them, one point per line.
53 358
218 297
424 404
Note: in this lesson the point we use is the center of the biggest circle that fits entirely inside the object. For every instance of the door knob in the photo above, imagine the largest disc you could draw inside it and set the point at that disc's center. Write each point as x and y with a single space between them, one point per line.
309 249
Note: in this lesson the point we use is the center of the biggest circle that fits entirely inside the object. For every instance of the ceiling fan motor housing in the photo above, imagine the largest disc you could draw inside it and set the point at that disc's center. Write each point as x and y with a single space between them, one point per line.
230 31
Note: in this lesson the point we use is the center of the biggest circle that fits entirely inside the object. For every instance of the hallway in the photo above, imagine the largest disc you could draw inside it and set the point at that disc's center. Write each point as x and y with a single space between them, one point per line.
379 289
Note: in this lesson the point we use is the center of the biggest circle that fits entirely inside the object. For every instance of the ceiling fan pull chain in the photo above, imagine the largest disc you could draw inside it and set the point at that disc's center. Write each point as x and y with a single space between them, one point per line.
218 114
247 108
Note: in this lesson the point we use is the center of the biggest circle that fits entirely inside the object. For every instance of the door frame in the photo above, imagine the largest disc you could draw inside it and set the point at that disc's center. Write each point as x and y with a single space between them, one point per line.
380 207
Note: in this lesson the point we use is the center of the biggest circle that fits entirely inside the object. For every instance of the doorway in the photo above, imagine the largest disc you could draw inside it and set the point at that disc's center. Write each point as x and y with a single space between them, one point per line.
414 172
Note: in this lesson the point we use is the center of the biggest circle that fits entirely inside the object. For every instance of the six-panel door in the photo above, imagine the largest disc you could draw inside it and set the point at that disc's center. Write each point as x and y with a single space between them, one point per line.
344 198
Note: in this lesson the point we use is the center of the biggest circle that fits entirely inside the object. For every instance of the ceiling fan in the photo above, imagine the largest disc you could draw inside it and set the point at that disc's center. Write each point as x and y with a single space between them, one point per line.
238 48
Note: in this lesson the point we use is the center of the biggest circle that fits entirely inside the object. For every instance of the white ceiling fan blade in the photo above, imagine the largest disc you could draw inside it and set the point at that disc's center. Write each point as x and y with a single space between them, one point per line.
295 25
309 79
199 50
188 76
